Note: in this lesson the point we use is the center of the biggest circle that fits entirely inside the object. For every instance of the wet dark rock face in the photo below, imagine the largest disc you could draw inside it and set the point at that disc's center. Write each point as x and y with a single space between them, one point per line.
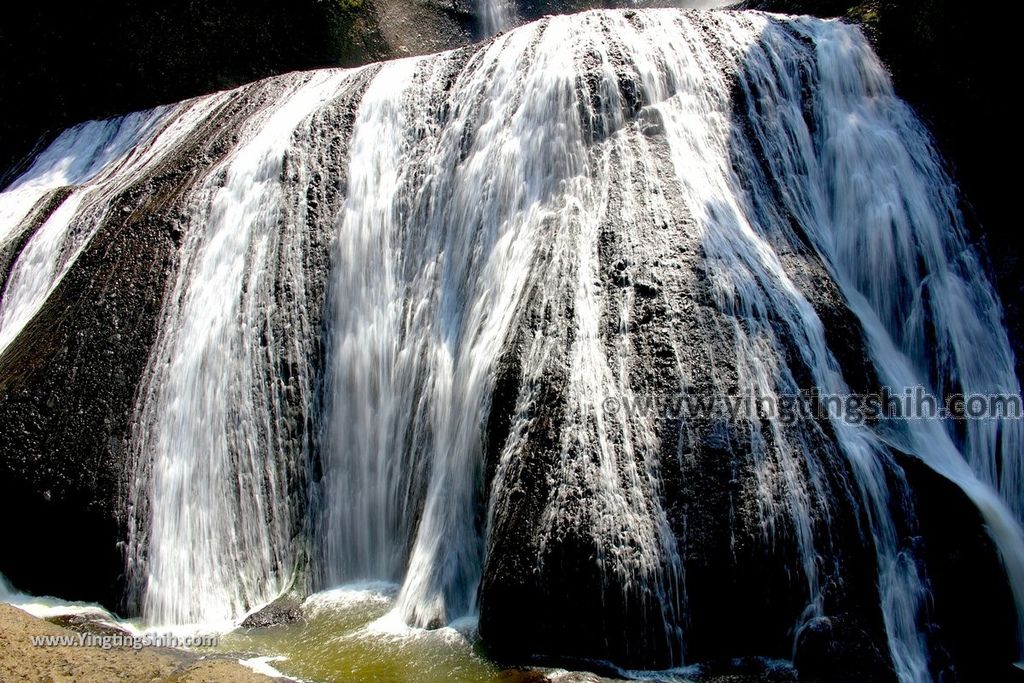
972 607
742 590
741 593
831 650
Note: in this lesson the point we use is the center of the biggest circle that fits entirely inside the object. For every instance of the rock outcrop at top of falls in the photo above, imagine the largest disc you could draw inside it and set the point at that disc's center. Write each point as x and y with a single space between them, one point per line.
94 60
538 328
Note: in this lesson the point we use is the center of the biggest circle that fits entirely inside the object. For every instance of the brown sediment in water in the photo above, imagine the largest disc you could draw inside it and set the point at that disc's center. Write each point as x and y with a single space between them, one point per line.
22 660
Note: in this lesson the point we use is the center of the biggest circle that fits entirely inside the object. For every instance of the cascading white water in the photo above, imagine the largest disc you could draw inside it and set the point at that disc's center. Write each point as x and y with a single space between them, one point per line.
687 86
752 282
416 335
77 155
96 160
216 540
869 188
495 15
474 186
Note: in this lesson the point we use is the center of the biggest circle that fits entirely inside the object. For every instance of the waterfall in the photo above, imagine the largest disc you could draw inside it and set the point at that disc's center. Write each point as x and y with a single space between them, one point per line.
90 163
211 472
495 15
405 293
930 316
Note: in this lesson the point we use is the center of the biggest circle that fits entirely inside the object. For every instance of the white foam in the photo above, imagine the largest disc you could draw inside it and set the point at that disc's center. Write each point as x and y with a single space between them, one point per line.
263 665
351 595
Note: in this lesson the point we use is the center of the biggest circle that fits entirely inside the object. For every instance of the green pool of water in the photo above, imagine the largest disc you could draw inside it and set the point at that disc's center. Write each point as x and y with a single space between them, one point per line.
341 639
346 635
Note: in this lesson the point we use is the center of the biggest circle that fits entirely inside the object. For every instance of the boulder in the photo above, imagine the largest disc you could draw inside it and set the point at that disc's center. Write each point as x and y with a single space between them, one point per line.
285 610
834 650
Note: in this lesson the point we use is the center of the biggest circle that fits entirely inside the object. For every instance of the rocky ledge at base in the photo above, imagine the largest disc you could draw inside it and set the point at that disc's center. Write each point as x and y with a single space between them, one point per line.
25 661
